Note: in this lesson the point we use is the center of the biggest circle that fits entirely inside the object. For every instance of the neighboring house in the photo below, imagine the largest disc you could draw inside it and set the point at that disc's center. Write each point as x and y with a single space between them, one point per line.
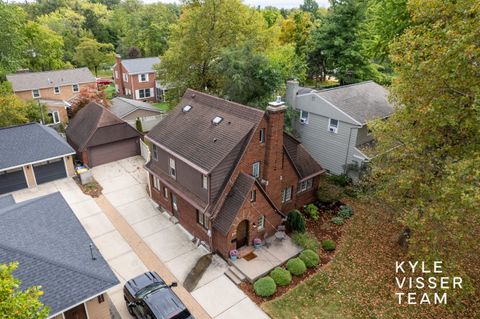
99 136
228 172
32 154
54 251
131 110
56 89
333 123
136 79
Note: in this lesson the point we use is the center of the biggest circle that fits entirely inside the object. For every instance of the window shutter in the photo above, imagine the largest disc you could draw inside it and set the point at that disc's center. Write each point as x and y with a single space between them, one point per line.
137 92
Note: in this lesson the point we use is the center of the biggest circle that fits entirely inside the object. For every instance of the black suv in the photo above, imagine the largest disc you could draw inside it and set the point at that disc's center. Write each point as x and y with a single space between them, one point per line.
149 297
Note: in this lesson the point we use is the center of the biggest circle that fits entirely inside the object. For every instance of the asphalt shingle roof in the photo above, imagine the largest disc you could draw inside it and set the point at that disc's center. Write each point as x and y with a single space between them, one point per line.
30 143
53 251
6 200
49 79
303 162
140 65
192 134
122 106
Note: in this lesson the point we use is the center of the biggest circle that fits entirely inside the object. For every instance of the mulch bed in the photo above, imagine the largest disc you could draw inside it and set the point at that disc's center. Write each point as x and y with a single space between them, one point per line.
92 189
323 229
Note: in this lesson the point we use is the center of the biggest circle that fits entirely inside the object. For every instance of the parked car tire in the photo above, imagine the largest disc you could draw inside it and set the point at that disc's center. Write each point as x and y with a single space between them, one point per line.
130 311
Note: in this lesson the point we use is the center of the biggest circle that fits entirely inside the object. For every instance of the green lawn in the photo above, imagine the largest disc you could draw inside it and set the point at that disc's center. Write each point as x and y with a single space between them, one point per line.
104 73
162 106
109 91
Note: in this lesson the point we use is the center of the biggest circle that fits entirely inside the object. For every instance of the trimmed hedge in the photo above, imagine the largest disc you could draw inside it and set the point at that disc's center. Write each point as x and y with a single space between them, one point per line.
296 266
328 245
281 276
296 221
310 258
265 287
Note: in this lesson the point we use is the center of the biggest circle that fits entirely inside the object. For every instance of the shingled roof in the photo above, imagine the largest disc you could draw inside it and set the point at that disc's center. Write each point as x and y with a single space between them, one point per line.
122 106
140 65
53 252
49 79
192 134
30 143
305 165
95 125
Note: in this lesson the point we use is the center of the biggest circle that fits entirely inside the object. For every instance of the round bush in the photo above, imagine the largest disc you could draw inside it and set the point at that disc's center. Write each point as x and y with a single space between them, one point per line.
337 220
328 245
265 287
281 276
296 221
345 211
310 258
296 266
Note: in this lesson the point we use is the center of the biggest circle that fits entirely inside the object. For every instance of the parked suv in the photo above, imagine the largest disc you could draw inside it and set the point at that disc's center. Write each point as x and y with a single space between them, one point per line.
149 297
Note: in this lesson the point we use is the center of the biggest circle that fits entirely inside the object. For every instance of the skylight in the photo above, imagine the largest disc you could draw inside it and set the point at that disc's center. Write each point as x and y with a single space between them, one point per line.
217 120
186 108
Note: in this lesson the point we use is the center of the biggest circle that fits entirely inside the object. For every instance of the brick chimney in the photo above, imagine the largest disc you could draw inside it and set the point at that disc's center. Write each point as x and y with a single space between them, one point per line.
274 149
118 68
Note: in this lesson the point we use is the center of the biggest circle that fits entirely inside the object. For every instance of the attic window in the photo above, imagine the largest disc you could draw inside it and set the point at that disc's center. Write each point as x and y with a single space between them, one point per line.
217 120
186 108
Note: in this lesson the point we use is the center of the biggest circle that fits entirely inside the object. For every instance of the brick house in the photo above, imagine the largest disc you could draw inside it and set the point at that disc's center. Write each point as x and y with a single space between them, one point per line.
136 79
56 89
228 172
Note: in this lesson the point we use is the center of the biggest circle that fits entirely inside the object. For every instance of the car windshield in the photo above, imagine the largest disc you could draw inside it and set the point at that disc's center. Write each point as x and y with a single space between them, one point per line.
148 289
182 315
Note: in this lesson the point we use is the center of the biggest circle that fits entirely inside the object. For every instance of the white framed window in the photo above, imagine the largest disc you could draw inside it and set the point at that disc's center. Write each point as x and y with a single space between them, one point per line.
144 93
333 125
287 194
165 192
202 219
253 196
55 117
262 135
116 74
256 169
261 222
143 77
36 93
305 185
156 183
304 117
75 88
56 90
204 182
154 152
125 77
172 170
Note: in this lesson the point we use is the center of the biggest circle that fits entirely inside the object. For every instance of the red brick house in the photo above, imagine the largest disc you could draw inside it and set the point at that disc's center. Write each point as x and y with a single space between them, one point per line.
228 172
136 79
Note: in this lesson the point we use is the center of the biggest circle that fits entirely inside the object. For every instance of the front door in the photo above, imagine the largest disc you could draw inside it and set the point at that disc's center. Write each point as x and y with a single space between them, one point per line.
242 234
76 313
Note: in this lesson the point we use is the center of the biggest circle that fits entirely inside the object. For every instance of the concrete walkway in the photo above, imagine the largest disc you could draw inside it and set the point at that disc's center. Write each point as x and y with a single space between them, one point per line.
160 243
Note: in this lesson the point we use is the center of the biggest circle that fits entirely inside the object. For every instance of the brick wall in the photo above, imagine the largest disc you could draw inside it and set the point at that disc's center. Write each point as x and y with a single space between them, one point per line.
66 93
133 82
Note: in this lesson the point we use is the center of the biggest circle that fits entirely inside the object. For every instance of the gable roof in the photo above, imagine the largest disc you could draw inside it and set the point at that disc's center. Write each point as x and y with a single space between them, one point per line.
30 143
53 252
363 101
140 65
305 165
83 130
49 79
192 135
122 107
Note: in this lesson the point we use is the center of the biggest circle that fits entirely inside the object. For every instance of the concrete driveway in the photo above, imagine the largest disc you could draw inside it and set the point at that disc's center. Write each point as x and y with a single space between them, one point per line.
124 184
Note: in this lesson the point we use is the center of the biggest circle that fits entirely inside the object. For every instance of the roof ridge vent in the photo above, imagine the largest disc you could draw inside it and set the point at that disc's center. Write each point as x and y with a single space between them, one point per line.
217 120
186 108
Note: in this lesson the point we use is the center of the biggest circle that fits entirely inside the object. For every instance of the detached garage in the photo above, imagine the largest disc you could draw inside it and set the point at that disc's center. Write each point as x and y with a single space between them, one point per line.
99 136
32 154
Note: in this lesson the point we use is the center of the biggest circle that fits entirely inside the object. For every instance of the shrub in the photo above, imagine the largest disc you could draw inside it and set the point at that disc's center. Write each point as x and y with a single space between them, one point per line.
281 276
328 245
306 241
328 193
340 180
296 266
265 287
295 221
337 220
312 211
345 211
310 258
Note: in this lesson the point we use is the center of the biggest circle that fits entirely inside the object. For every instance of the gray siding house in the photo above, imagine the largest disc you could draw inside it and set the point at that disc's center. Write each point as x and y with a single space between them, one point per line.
332 123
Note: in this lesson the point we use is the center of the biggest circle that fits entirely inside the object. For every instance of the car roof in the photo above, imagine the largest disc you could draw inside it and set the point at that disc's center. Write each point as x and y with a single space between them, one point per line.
164 303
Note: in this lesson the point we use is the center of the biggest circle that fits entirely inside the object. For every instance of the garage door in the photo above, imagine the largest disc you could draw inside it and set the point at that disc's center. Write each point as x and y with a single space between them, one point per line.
49 170
113 151
12 180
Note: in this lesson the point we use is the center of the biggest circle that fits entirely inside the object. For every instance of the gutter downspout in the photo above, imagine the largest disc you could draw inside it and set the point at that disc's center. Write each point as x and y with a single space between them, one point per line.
348 152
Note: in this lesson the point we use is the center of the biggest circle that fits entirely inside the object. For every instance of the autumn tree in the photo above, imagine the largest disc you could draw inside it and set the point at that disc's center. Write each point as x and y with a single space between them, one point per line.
18 303
429 172
86 95
92 53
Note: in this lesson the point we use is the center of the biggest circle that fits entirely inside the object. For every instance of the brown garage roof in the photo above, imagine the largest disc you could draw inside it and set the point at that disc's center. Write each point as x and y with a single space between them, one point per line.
95 125
192 134
304 163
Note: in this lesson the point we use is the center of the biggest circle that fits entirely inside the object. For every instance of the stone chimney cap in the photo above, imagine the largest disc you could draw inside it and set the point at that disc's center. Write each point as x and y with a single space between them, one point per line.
277 102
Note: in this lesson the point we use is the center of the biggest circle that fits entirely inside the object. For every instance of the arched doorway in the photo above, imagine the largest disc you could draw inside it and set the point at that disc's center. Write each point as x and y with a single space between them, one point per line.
242 234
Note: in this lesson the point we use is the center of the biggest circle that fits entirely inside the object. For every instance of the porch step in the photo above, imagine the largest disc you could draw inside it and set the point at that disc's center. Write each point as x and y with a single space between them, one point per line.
237 273
231 275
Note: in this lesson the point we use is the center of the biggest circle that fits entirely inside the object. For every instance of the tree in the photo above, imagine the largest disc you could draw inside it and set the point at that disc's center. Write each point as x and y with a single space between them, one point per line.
44 48
310 6
296 30
16 303
14 111
12 42
91 53
429 171
85 96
